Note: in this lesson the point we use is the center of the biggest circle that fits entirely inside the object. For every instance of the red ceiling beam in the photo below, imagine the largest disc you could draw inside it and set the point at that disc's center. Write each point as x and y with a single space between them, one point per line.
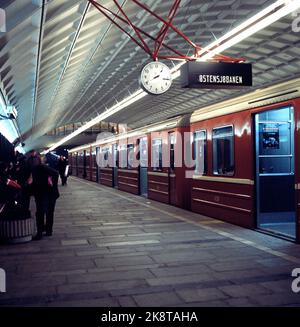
140 35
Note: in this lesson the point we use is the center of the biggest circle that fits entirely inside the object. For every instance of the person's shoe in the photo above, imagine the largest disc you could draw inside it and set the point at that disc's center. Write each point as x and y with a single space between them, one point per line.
37 237
48 233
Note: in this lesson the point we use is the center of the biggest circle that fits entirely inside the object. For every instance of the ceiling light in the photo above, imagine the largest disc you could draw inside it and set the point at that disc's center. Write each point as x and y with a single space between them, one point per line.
114 109
264 18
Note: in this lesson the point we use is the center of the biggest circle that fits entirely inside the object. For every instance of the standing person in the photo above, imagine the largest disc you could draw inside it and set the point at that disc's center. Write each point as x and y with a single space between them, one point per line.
62 166
32 159
22 175
45 191
24 167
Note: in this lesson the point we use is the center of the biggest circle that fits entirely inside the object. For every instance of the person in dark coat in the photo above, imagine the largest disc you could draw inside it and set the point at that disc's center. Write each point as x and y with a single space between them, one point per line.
61 166
22 174
32 159
45 191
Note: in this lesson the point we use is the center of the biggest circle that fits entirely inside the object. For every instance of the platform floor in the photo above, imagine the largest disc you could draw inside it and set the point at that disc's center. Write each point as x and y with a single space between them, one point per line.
111 248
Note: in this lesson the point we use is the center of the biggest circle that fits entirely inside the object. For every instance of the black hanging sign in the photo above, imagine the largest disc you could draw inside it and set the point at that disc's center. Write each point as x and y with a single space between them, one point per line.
215 75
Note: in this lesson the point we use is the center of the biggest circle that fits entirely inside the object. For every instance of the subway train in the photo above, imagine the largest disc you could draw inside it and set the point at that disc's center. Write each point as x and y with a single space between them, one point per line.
236 161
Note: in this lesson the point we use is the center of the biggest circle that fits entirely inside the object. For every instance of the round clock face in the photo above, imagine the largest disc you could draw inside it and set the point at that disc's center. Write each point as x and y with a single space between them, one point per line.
156 78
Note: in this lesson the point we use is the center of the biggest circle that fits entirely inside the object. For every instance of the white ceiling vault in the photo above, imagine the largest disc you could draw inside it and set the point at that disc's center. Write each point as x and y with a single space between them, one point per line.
62 62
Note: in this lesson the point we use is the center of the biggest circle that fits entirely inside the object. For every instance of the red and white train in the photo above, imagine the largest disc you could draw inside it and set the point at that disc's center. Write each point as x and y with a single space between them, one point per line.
246 152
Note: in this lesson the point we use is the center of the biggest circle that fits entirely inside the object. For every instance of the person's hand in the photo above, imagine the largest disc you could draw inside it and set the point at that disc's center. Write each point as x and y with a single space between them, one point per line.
50 183
30 180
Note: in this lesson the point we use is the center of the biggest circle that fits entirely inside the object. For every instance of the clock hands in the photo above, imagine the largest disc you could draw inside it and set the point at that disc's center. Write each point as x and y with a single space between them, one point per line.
155 77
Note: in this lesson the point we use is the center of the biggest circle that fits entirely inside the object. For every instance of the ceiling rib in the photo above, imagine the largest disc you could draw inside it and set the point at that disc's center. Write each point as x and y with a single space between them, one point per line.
38 64
70 53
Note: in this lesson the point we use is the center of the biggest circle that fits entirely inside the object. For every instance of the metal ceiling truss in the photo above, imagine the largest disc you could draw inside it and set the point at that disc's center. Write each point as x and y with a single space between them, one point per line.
141 37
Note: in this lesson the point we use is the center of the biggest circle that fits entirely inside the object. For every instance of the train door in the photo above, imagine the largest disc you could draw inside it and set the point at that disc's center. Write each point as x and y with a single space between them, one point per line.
143 156
115 165
275 179
76 163
97 166
172 175
84 164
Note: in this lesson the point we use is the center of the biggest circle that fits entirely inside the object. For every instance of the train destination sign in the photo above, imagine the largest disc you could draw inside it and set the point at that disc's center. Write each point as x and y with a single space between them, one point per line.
215 75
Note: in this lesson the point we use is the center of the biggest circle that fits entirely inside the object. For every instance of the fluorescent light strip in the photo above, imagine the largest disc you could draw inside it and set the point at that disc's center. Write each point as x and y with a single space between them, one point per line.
256 23
116 108
137 132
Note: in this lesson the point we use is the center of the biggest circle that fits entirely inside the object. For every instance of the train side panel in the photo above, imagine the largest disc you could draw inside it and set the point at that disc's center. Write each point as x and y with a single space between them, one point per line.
229 198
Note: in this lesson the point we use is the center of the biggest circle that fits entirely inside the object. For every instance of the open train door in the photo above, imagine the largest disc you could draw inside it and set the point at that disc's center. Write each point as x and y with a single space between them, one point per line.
275 173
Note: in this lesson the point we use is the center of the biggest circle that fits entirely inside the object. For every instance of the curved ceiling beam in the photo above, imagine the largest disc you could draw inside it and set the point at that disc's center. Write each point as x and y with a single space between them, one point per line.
87 7
38 64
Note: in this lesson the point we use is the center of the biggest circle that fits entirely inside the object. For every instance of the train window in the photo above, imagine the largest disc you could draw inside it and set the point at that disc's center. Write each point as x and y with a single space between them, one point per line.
223 151
200 152
143 153
104 158
94 158
275 142
157 154
275 138
123 156
87 158
282 114
130 153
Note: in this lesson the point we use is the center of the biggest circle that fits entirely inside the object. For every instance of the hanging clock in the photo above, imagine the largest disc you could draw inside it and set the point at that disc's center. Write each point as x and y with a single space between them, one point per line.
156 78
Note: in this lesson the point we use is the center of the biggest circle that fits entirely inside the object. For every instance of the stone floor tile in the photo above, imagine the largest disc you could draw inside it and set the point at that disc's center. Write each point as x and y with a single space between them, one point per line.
239 291
201 295
157 299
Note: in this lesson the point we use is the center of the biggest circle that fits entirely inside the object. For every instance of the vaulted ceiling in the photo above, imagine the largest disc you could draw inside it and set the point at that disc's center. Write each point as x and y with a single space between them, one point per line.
62 62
